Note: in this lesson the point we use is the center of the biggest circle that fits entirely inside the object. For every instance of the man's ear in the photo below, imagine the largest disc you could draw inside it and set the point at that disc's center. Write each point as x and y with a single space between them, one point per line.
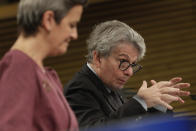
96 59
48 20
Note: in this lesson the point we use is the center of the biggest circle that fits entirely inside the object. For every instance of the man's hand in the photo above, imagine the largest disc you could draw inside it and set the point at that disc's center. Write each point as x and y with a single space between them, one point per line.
163 92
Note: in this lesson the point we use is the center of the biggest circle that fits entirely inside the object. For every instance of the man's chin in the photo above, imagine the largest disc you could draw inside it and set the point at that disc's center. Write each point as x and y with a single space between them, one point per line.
118 87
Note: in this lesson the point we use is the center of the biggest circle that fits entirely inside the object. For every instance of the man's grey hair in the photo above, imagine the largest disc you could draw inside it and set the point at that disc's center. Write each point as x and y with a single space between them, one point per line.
109 34
30 12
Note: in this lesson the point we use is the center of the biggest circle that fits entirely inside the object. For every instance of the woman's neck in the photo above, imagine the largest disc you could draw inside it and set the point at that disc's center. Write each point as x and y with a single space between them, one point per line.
33 47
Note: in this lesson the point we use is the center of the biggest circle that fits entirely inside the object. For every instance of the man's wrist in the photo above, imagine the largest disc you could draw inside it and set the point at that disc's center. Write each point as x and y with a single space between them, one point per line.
141 101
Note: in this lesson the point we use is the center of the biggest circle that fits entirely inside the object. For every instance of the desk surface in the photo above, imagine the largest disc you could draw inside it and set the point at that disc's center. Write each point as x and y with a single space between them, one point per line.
153 124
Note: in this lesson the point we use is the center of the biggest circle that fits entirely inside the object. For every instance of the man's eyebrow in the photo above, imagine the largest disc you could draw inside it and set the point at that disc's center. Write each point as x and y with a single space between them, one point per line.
129 59
124 56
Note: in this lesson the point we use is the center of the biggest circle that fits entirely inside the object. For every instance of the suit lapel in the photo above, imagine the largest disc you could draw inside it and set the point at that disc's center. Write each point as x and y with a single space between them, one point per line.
111 99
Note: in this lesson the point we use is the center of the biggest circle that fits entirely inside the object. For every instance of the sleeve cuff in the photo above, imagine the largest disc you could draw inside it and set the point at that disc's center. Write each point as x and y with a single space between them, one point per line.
141 101
160 108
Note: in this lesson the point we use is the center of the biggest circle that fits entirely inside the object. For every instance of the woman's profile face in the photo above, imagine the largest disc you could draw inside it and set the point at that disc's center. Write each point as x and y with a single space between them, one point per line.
66 31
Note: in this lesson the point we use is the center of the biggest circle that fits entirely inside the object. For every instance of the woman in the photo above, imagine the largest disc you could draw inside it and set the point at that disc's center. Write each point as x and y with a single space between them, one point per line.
31 95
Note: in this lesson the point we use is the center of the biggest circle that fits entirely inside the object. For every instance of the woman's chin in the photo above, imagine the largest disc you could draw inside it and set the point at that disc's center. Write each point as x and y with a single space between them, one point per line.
59 52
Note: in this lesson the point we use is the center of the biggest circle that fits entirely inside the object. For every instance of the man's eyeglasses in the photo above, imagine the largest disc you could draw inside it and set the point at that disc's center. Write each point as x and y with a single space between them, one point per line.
124 65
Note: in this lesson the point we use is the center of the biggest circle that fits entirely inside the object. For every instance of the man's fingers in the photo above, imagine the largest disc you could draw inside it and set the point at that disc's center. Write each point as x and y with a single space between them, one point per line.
169 98
181 100
174 91
172 82
162 84
153 82
183 93
144 84
165 105
182 85
175 80
169 90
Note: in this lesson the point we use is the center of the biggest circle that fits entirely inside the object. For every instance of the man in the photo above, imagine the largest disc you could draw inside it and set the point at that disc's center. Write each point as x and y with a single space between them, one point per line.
113 52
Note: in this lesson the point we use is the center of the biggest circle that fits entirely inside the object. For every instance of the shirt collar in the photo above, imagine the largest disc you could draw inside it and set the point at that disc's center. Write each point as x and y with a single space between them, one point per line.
107 88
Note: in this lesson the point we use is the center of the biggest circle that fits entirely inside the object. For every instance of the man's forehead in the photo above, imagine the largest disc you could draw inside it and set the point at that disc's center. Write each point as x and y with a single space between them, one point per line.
121 50
125 50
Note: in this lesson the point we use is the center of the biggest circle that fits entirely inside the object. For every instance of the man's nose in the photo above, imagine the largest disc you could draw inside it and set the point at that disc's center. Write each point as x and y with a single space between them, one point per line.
129 71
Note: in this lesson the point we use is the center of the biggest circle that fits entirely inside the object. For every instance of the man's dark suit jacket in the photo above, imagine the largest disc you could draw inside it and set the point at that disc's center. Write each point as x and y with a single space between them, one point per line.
94 104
